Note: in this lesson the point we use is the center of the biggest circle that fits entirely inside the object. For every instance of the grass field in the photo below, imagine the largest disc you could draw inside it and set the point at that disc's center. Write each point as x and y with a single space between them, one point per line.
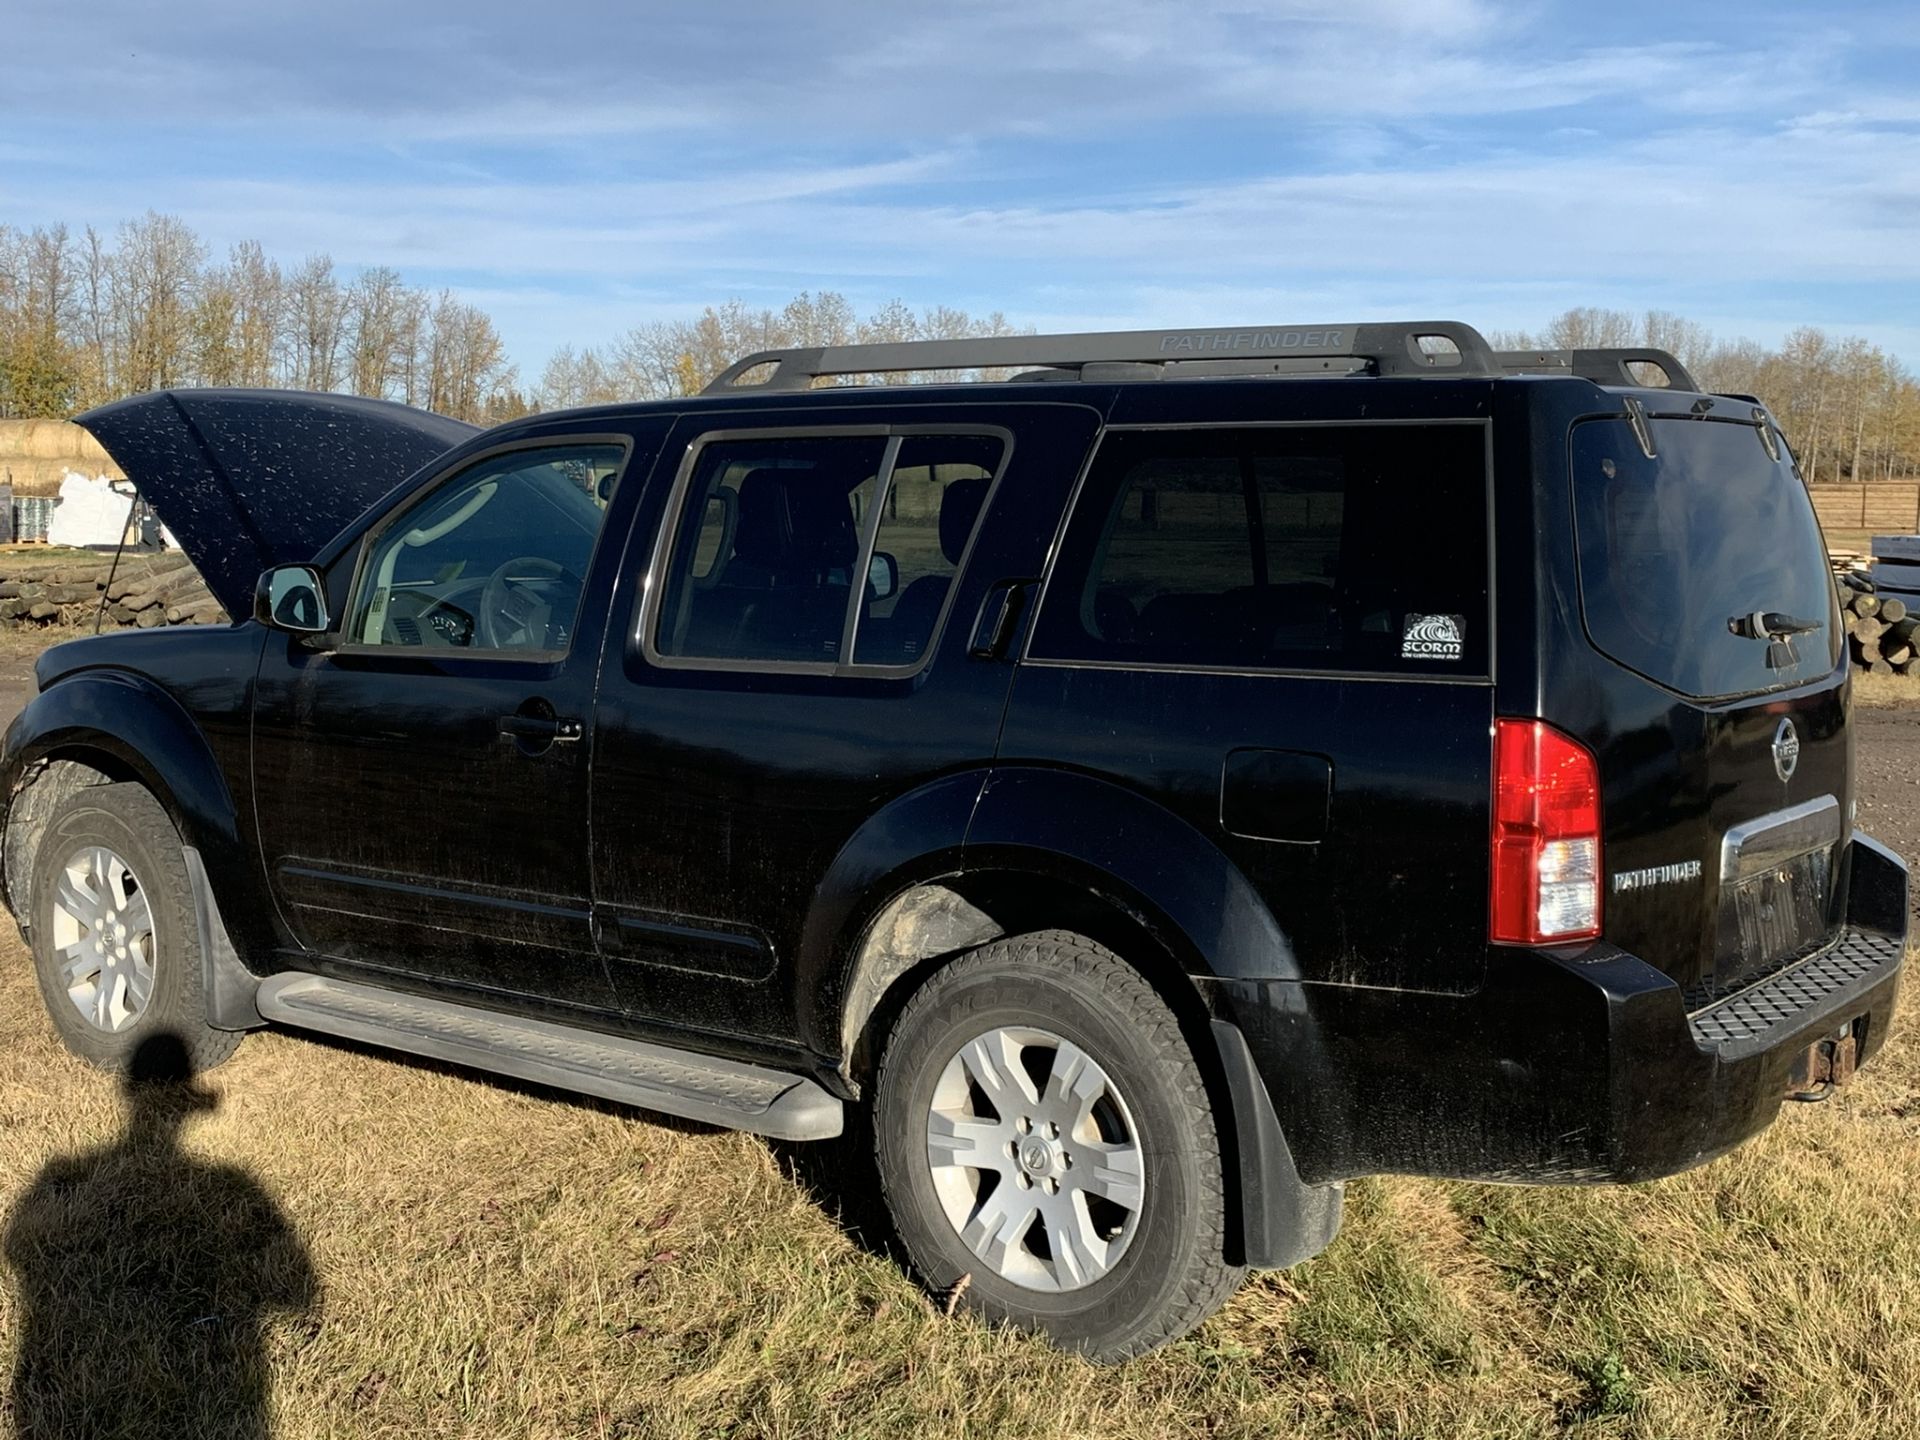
456 1257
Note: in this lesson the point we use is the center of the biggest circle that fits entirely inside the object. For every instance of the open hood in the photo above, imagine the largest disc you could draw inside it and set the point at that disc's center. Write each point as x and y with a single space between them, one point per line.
250 478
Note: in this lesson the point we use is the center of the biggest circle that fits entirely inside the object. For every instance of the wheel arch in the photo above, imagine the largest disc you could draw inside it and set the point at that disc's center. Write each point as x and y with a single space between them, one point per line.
103 727
978 855
1053 850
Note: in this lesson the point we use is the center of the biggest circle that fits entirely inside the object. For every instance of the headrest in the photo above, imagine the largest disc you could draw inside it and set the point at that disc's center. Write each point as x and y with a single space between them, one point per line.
959 508
762 534
793 520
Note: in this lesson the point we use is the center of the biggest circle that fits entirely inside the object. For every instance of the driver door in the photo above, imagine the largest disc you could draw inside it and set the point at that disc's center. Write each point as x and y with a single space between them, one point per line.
422 785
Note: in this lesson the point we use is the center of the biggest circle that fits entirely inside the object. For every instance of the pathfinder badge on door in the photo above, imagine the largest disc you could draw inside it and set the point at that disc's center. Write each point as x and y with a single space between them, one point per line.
1786 750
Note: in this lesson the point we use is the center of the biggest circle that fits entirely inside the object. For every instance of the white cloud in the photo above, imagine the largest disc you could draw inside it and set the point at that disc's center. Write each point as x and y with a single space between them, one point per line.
1091 160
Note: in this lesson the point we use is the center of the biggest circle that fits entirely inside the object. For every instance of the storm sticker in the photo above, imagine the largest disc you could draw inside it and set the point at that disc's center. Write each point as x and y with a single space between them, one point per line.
1432 637
1676 874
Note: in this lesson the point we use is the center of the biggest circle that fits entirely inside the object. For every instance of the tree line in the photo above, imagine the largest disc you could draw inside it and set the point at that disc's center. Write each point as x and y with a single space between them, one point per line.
88 318
665 358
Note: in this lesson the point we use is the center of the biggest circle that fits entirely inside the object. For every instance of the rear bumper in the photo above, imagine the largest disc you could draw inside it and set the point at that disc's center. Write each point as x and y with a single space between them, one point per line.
1565 1066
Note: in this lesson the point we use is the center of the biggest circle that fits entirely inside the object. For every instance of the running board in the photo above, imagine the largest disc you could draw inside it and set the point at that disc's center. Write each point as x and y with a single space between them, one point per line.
651 1077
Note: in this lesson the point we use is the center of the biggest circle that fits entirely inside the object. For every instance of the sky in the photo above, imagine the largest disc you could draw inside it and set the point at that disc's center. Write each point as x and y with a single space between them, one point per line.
579 169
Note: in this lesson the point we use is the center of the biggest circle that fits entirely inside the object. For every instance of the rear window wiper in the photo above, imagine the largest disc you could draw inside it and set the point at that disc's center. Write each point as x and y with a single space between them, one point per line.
1777 630
1771 625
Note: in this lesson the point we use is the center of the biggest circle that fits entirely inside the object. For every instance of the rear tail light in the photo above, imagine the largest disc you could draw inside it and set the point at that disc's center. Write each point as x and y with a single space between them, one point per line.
1546 837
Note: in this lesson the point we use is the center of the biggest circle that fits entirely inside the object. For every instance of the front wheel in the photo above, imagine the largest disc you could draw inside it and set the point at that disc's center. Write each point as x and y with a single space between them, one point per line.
115 944
1043 1132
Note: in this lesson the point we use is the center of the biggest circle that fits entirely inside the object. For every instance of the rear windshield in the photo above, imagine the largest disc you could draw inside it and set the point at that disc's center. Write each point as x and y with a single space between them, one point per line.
1674 548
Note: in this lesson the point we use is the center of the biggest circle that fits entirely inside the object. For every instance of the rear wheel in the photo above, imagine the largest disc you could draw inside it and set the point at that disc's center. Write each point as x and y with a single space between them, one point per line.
1043 1133
115 945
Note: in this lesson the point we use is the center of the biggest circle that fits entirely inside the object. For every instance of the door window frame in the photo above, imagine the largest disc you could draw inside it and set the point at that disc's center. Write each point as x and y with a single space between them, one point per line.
655 578
439 481
1067 517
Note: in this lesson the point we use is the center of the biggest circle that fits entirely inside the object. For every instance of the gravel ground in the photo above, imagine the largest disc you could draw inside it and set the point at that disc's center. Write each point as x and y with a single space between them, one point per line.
16 687
1887 785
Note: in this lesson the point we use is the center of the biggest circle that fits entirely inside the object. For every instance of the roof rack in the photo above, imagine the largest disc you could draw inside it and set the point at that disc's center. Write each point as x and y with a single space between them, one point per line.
1441 348
1603 367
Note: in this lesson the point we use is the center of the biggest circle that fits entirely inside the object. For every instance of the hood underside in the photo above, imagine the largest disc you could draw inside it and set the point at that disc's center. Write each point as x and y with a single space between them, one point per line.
245 479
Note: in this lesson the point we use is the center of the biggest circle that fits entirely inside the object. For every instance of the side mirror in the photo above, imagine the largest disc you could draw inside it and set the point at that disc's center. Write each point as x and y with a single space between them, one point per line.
883 575
291 598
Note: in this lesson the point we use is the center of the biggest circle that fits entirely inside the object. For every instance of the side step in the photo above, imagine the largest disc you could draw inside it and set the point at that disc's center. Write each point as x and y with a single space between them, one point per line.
652 1077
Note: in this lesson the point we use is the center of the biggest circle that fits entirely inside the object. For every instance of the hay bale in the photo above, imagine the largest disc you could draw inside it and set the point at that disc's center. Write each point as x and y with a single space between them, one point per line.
36 454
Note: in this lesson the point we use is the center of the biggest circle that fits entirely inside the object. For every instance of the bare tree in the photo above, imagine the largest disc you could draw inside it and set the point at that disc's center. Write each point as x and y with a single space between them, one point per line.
575 379
259 294
1589 328
1688 341
100 370
156 273
377 327
315 316
678 357
213 326
467 369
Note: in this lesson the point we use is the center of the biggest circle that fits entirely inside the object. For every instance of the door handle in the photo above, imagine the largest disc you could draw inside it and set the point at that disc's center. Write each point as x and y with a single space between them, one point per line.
999 619
540 729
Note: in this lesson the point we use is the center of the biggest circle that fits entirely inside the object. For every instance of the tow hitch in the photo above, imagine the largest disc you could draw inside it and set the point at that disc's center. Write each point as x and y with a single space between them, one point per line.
1824 1066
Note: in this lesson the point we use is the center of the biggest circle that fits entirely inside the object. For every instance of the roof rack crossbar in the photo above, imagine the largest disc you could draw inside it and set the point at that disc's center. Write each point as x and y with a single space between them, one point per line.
1394 349
1603 367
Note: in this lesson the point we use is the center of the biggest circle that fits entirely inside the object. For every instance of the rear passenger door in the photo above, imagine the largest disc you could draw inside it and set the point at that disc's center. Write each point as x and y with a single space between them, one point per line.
1280 632
800 658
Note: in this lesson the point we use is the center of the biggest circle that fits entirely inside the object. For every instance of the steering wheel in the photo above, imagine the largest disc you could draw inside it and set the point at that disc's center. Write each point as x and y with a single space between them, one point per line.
513 614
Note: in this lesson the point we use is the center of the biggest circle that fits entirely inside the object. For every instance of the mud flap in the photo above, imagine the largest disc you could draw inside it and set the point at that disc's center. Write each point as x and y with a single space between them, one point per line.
1283 1220
229 987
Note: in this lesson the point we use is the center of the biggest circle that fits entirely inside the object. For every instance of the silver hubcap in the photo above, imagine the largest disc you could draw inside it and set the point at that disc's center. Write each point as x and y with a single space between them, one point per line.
1036 1159
103 936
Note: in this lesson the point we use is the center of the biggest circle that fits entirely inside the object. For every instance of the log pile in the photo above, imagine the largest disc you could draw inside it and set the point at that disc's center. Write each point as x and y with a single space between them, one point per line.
1882 635
145 591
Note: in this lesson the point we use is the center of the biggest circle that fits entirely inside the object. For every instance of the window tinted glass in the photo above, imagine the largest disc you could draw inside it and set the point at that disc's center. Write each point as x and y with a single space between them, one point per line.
769 537
495 559
1673 548
1335 548
939 485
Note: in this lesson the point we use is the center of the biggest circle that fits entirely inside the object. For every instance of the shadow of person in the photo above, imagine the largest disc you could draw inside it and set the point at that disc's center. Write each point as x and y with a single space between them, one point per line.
146 1276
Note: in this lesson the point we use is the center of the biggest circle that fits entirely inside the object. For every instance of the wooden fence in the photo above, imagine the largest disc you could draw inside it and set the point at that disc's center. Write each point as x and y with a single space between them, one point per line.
1889 508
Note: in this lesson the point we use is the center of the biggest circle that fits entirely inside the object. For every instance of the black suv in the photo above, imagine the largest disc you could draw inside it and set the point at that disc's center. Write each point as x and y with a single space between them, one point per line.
1154 788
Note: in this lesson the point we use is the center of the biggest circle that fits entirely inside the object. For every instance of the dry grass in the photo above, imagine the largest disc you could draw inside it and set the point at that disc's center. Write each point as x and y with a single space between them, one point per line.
487 1260
1885 690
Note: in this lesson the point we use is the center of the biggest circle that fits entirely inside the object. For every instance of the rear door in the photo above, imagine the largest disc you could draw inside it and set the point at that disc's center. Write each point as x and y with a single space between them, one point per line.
798 659
1723 738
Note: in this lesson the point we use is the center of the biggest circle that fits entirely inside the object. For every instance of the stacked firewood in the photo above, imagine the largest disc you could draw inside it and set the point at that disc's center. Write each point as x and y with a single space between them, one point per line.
1881 635
142 591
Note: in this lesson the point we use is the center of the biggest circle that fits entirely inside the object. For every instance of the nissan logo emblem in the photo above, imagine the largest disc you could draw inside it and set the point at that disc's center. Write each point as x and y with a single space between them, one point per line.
1786 750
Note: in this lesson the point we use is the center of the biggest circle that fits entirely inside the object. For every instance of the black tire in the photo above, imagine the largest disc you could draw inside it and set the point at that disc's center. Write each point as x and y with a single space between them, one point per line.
1173 1273
128 821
